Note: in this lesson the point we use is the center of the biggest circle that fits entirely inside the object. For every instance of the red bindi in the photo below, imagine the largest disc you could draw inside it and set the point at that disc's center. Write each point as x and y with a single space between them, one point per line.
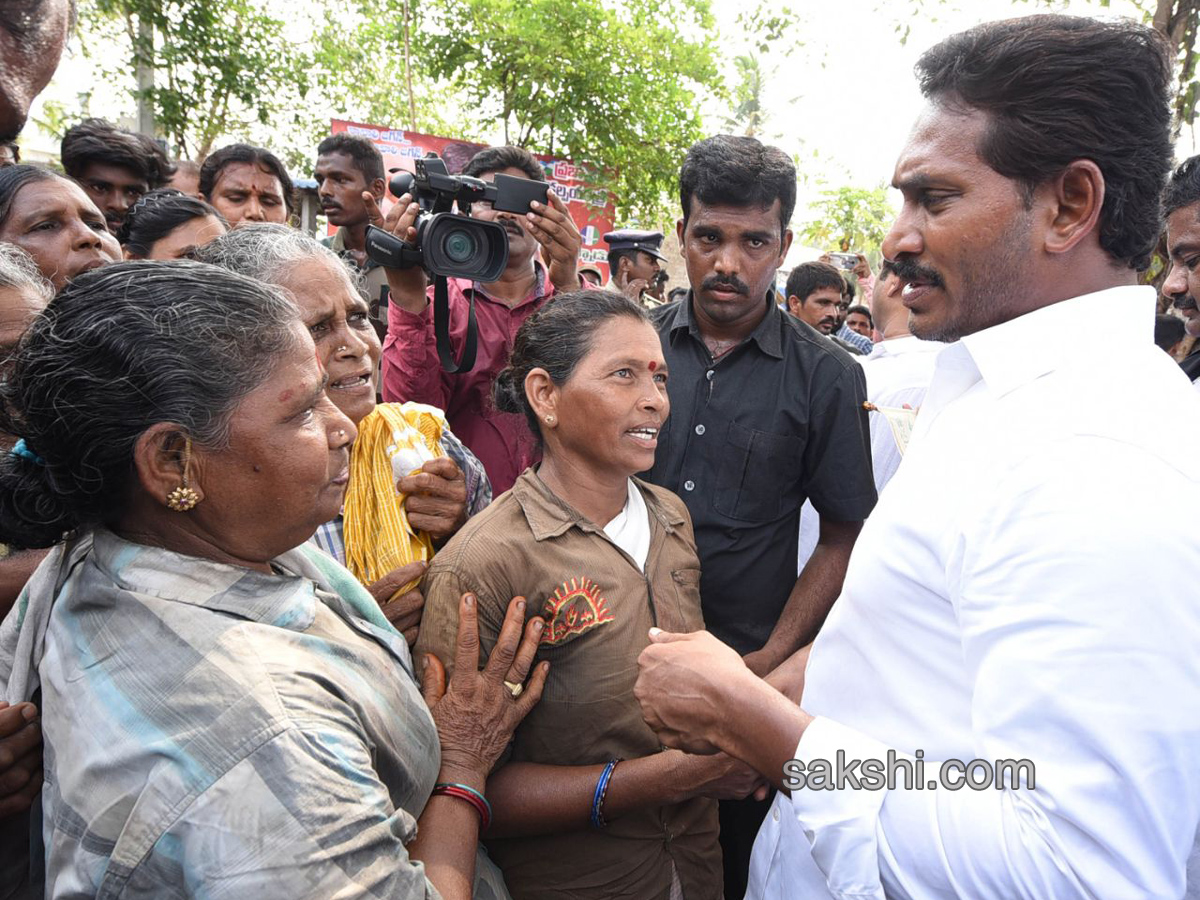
653 365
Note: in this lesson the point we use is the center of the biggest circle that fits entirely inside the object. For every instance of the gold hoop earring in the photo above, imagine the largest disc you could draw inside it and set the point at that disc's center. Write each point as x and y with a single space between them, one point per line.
184 497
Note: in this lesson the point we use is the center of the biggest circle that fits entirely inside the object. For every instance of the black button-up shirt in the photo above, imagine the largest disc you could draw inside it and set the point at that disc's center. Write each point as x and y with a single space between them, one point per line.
776 420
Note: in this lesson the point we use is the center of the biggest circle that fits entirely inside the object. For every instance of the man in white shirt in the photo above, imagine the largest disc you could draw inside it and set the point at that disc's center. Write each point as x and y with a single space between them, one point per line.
1025 589
898 369
898 372
1181 205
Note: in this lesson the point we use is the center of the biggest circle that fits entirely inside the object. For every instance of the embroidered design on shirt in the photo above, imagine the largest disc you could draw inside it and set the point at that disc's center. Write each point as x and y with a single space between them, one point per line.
575 607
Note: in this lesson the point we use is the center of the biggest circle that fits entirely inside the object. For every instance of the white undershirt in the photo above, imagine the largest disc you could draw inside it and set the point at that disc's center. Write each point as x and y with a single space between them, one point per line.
630 530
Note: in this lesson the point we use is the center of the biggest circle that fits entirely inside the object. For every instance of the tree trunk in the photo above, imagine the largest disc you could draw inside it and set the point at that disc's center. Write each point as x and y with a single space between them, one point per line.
144 70
412 103
1162 17
214 124
1176 21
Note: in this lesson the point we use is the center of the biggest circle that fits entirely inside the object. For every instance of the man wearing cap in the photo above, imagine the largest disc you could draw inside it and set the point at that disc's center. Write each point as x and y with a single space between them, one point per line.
633 262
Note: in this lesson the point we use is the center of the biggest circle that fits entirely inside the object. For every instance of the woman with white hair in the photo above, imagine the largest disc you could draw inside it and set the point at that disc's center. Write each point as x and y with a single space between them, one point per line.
412 482
24 293
226 712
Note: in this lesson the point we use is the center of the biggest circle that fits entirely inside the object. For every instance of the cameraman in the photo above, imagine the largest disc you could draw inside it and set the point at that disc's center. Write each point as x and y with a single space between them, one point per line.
411 369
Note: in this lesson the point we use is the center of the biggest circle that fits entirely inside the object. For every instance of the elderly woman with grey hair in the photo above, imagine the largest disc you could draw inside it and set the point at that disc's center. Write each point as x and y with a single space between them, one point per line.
24 293
406 489
225 710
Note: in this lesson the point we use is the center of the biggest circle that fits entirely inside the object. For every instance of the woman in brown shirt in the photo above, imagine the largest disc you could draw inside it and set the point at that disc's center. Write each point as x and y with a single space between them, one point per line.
587 804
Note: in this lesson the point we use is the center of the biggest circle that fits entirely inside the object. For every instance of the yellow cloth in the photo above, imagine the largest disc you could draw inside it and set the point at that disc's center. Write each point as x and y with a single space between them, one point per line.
395 440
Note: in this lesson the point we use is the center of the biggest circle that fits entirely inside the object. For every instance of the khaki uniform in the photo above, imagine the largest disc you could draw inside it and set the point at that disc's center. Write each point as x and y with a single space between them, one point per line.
598 608
374 277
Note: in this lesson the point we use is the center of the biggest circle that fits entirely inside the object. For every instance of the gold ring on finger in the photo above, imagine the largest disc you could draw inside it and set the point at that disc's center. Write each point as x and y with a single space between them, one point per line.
514 688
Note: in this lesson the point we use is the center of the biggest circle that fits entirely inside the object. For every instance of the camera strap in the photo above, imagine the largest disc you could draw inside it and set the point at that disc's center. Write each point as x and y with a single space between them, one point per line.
441 328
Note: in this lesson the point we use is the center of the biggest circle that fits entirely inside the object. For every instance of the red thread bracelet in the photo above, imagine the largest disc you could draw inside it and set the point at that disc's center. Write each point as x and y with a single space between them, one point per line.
472 796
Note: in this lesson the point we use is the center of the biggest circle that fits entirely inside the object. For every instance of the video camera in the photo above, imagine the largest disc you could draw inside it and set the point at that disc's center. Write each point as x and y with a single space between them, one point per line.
449 244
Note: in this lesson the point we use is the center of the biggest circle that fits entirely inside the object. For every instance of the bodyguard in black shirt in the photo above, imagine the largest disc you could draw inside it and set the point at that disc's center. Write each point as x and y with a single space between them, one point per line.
765 412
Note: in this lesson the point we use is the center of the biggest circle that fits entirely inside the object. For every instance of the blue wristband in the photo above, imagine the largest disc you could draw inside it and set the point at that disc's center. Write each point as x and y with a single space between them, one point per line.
598 796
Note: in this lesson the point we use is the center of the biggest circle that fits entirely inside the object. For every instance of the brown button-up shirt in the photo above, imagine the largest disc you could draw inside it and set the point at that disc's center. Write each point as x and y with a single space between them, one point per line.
598 608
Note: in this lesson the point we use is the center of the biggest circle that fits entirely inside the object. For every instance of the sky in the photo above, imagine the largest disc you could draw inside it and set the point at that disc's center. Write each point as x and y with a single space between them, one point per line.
841 95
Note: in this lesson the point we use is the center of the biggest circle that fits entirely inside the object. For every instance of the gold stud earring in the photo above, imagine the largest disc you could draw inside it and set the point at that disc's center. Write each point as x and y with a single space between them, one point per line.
549 420
184 497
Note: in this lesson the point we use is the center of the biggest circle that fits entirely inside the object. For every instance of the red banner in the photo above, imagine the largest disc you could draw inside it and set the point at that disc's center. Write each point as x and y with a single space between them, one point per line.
400 148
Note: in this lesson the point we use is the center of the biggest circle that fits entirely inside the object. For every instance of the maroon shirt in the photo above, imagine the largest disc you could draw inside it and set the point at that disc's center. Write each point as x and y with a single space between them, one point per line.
412 372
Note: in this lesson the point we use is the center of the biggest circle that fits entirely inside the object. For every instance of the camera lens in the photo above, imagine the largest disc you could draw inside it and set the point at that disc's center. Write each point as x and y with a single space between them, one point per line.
460 245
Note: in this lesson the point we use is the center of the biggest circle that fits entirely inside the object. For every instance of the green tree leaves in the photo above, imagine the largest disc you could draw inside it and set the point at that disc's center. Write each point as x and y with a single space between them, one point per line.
612 85
850 218
218 64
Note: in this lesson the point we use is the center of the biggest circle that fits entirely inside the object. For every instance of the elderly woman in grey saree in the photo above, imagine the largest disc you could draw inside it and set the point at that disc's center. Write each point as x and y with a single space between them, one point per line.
226 711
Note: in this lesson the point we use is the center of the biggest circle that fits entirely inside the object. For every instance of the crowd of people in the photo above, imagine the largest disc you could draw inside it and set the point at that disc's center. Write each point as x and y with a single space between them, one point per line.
630 607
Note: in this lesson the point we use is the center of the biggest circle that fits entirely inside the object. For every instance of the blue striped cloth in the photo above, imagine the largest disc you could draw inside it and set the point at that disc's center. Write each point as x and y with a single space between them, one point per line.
854 339
221 732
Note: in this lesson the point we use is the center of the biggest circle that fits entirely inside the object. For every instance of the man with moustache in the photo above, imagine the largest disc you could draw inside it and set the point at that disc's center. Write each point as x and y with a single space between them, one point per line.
348 165
1025 590
764 413
898 371
814 290
411 368
814 296
1181 205
858 320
